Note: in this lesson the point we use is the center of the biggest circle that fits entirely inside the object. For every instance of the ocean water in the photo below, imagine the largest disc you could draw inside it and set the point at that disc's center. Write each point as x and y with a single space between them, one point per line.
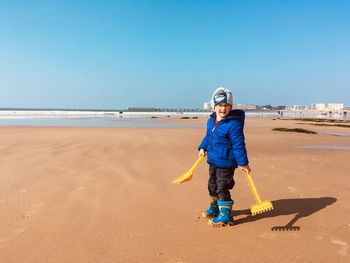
126 119
97 122
93 119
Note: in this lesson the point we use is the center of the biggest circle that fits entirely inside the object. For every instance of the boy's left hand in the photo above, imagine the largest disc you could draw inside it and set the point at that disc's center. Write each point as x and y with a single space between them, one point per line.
245 168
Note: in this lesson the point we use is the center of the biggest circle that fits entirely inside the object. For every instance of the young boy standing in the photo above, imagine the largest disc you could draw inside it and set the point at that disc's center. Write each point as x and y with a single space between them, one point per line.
225 148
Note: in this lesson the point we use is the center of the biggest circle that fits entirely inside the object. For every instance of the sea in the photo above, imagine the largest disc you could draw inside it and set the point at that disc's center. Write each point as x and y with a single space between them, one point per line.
103 118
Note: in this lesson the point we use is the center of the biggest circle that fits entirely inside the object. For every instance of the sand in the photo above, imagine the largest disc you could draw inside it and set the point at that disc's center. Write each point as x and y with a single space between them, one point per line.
104 195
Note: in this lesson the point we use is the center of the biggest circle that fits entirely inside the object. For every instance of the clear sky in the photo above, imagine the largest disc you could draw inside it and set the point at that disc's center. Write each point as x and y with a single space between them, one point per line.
114 54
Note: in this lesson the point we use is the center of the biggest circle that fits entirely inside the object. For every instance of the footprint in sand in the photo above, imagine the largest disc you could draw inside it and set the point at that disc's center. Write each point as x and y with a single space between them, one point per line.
33 210
27 216
344 246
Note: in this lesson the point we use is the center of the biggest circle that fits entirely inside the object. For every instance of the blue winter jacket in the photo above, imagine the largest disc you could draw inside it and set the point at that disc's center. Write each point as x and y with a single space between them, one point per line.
224 143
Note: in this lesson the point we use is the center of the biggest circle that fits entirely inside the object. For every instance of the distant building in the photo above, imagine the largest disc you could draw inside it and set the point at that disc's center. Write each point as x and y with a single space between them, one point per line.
245 106
207 106
335 106
299 107
321 106
312 107
329 106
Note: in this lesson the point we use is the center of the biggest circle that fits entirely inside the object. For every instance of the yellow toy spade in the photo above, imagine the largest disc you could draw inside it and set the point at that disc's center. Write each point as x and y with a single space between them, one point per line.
259 207
188 175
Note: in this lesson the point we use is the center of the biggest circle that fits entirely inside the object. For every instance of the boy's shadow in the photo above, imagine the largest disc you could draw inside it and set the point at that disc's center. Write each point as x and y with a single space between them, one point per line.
302 207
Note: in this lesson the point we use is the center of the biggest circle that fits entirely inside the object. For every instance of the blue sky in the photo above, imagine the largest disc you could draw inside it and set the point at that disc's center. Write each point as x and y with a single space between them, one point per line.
114 54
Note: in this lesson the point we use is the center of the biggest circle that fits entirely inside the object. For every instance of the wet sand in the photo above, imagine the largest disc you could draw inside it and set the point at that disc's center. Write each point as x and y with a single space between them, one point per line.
104 195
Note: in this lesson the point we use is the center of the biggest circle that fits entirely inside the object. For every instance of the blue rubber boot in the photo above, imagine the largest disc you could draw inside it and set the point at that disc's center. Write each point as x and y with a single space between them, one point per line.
213 210
225 216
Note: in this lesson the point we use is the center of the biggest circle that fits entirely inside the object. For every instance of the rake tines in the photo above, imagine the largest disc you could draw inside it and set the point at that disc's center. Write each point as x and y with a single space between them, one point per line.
260 207
285 228
261 211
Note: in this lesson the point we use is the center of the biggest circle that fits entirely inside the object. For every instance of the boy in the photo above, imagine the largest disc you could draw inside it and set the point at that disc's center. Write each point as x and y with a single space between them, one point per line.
225 148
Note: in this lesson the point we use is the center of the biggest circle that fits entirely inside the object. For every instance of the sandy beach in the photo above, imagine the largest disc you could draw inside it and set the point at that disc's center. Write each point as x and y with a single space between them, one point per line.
79 194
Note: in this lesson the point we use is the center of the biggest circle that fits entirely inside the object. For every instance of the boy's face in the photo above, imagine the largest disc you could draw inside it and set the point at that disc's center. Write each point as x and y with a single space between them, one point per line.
222 110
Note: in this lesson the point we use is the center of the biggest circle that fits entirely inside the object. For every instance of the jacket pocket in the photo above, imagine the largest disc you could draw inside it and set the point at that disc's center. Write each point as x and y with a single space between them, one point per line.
228 154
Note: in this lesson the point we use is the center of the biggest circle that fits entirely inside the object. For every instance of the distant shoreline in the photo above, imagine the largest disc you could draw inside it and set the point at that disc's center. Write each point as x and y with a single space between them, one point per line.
151 109
27 113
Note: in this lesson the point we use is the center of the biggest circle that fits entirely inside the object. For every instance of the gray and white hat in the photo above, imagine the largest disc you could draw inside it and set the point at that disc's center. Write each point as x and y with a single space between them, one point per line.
222 95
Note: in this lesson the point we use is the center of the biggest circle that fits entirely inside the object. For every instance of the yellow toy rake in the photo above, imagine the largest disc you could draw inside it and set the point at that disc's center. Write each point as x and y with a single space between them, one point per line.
260 207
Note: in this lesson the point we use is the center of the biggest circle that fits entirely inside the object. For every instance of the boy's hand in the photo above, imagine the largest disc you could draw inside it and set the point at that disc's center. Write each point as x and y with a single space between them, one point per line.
201 152
245 168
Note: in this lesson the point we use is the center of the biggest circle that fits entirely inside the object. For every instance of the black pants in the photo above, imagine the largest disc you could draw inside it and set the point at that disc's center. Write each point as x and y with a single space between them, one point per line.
221 182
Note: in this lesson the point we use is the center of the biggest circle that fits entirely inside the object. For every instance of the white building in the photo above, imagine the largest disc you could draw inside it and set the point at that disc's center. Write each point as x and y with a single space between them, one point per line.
329 106
335 106
207 106
321 106
245 106
299 107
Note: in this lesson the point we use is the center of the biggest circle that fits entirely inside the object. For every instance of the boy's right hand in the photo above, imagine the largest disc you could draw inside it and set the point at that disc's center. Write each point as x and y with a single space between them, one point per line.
202 152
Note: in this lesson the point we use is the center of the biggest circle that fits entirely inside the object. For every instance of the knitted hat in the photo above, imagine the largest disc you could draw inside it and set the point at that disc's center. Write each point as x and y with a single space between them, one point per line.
222 95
